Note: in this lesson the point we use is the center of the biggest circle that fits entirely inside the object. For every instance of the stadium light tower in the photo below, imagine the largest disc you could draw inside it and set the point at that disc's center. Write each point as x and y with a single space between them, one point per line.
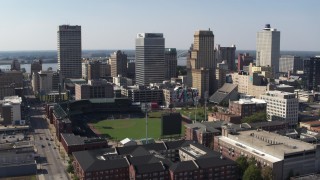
146 107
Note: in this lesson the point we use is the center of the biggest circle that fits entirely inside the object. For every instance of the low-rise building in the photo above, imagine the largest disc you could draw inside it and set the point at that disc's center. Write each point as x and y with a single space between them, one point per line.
281 153
94 89
10 110
179 96
281 106
247 107
72 143
167 160
228 92
201 133
143 94
17 162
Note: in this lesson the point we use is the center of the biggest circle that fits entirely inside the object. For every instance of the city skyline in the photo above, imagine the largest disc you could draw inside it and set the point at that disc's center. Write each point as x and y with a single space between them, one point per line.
31 25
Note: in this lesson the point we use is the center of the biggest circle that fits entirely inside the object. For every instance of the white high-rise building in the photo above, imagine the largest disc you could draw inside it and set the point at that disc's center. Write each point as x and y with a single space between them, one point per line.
268 48
149 58
281 106
69 51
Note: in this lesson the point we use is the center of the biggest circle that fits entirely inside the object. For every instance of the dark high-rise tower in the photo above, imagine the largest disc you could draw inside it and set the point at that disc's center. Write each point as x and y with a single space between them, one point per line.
201 62
170 57
311 69
149 58
69 51
118 62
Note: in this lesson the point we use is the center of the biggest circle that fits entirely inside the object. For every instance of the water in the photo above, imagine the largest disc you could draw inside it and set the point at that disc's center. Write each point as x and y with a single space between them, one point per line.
45 66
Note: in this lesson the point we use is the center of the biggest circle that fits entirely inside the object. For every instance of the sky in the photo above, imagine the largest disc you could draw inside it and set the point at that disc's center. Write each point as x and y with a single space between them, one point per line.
113 24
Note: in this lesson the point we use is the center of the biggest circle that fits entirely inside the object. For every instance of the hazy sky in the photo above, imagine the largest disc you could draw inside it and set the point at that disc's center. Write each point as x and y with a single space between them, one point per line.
113 24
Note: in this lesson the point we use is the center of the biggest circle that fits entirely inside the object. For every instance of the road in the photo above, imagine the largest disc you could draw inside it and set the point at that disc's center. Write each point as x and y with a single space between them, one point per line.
52 167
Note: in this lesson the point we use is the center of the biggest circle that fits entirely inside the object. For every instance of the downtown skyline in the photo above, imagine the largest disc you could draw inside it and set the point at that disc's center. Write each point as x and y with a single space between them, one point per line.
32 25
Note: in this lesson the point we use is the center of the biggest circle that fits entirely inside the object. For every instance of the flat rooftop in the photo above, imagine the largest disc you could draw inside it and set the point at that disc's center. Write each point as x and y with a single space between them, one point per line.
269 143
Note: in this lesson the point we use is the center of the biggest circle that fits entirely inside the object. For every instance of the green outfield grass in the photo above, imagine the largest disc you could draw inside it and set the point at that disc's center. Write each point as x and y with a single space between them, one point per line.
135 128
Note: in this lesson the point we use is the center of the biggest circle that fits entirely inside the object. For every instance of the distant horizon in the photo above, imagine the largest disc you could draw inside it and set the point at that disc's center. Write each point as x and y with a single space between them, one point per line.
134 50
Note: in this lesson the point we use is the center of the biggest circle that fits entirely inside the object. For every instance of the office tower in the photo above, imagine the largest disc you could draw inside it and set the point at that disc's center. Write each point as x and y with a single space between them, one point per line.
290 63
118 62
69 51
84 69
15 65
201 62
105 69
268 48
131 66
170 61
244 60
311 69
36 66
94 70
221 73
281 106
48 81
227 54
149 58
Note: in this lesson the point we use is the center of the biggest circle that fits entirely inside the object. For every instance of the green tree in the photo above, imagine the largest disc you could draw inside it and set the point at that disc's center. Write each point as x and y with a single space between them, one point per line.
242 164
215 109
256 117
266 173
252 173
70 169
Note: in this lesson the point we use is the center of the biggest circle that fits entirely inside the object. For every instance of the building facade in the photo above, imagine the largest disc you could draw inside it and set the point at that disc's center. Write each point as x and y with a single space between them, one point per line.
270 149
94 89
69 51
179 96
221 73
201 63
143 94
149 58
94 70
49 81
290 63
227 54
170 57
247 107
268 48
281 106
244 60
311 69
118 62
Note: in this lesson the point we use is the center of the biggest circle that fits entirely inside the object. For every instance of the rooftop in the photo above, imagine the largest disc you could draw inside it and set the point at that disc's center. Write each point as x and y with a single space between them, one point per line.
72 139
268 143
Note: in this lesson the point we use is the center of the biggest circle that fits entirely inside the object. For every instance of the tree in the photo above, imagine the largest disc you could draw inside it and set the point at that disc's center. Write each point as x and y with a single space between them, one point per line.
256 117
242 164
266 173
252 173
215 109
23 70
70 169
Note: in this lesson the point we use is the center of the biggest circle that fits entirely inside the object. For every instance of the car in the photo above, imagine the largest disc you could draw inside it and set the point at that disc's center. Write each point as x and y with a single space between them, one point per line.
51 139
49 144
40 138
42 146
47 138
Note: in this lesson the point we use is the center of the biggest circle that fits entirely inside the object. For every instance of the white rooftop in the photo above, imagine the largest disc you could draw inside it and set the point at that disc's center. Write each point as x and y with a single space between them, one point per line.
12 99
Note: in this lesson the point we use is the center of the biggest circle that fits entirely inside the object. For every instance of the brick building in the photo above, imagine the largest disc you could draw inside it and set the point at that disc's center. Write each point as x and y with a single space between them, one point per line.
94 89
73 143
247 107
163 161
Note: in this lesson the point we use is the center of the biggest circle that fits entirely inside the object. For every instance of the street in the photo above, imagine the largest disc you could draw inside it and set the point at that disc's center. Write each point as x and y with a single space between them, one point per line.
50 164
